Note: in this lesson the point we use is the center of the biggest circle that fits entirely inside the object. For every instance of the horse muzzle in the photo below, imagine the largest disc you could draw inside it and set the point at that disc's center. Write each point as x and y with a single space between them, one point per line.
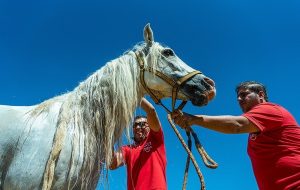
199 90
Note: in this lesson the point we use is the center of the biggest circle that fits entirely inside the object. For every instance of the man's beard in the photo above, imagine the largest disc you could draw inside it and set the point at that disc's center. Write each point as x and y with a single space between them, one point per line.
140 139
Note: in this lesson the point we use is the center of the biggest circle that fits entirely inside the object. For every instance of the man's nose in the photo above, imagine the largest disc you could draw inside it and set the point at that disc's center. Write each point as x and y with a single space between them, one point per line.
138 127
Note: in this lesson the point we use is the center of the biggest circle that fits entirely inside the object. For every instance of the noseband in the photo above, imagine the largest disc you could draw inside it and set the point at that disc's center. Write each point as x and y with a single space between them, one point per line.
175 84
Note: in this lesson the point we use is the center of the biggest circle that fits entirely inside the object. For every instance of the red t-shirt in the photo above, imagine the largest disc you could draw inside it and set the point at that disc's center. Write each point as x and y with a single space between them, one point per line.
275 150
146 163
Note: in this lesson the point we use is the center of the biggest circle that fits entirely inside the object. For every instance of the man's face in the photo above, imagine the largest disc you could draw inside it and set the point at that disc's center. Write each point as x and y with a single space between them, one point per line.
140 129
247 99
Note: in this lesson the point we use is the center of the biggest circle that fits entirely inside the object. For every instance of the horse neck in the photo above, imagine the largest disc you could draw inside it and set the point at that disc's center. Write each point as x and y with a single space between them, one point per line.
106 101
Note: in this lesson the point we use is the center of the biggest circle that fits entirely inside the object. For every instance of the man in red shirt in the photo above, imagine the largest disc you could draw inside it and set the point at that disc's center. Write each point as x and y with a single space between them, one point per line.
146 158
274 136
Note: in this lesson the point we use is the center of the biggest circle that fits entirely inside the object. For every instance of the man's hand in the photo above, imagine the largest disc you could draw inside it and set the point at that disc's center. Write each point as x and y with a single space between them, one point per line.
184 120
117 160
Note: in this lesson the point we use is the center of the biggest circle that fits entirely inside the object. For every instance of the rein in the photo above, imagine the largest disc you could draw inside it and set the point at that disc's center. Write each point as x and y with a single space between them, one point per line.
176 84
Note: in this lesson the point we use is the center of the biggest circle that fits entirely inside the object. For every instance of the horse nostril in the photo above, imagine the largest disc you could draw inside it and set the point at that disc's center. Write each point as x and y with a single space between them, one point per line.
209 81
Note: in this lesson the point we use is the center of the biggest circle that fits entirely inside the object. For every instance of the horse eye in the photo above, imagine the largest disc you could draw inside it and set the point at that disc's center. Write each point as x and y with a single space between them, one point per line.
168 52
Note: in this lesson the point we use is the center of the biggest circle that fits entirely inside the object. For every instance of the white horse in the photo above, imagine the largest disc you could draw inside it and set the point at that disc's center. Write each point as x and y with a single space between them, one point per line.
65 142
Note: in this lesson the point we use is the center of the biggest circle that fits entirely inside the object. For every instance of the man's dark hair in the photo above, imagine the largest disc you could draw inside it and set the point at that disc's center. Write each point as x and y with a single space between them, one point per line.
139 116
252 86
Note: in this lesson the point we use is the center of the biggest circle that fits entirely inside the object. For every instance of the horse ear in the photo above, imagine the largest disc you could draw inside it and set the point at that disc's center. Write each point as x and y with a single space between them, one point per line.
148 35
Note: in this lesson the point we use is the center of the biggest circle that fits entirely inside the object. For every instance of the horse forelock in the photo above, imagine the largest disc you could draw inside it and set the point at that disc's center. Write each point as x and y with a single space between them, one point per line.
152 53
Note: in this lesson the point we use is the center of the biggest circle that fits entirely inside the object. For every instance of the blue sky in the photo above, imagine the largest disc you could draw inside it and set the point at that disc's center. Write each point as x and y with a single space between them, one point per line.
48 47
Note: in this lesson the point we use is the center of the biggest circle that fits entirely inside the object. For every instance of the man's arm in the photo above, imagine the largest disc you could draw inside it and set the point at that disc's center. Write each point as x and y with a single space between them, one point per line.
117 160
152 116
224 123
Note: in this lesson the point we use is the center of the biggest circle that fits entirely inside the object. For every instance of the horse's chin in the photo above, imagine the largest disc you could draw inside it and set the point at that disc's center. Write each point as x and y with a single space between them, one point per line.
201 100
204 98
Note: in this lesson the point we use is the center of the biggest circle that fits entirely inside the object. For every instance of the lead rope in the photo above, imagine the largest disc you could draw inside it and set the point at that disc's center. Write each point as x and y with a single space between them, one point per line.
190 157
188 160
208 161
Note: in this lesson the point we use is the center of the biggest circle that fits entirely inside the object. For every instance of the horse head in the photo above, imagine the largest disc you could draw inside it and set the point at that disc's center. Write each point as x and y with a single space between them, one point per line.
164 74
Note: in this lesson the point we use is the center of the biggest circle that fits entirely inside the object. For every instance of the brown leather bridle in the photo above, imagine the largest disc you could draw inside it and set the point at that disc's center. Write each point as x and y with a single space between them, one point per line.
175 84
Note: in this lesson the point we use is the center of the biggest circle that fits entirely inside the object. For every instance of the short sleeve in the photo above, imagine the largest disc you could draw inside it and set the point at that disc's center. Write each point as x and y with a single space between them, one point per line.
265 116
158 136
125 150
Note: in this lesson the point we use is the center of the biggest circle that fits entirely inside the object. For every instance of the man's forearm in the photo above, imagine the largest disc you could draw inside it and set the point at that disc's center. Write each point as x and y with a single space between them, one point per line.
152 116
225 124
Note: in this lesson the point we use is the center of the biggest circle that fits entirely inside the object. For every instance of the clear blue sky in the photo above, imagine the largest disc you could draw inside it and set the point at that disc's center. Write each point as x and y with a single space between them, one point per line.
47 47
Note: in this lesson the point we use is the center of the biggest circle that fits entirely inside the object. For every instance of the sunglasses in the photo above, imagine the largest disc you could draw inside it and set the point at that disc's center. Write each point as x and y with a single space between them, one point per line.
141 125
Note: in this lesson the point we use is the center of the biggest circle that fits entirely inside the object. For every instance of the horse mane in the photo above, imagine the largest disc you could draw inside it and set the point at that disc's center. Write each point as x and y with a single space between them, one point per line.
98 110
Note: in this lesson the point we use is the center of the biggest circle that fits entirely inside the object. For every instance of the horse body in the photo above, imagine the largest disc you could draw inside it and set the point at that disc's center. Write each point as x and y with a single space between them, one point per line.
65 142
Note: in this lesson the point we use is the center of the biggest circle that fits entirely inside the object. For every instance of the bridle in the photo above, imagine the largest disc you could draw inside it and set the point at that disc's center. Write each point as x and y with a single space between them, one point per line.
175 89
174 83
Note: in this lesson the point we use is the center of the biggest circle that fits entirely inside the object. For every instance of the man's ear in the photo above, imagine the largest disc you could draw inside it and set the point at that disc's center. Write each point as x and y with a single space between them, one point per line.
148 129
261 95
